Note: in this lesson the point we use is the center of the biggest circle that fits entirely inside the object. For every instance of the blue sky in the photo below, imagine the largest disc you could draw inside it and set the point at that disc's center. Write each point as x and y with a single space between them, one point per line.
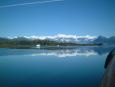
80 17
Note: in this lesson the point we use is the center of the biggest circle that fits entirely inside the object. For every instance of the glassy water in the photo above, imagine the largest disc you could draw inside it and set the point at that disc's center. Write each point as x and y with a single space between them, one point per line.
75 67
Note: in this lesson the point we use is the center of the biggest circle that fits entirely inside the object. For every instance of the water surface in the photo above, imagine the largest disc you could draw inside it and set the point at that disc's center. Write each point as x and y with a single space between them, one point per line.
76 67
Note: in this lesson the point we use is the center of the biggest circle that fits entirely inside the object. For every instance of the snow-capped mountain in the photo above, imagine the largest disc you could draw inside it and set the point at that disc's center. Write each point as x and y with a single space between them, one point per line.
66 38
61 38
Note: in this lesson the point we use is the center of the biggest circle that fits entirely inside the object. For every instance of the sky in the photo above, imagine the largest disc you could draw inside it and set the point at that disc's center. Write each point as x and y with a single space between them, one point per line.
80 17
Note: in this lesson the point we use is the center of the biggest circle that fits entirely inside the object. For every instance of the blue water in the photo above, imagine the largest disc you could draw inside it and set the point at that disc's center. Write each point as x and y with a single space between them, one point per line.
79 67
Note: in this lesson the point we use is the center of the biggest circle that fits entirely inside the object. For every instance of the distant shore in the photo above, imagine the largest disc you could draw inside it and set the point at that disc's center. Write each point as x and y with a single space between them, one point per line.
6 43
46 46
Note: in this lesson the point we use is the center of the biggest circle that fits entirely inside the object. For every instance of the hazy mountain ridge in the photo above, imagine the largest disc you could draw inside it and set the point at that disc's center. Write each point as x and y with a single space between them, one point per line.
105 40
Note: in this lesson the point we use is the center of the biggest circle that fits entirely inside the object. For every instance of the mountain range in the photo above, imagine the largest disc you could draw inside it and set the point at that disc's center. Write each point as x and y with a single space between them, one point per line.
67 38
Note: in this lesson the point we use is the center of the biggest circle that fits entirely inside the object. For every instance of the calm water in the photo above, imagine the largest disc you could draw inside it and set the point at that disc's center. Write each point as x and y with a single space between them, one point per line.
78 67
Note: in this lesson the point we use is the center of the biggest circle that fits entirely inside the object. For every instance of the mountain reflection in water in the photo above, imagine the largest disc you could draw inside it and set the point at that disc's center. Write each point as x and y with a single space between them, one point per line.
67 67
67 52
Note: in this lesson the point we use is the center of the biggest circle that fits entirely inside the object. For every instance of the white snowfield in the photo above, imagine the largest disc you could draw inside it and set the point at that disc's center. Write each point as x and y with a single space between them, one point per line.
61 37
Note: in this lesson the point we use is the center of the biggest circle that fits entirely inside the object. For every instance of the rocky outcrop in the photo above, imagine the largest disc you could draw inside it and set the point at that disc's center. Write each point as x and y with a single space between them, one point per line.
109 75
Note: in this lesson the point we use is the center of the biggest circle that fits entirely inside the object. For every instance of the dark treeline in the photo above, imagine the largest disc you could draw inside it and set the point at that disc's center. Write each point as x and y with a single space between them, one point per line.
30 43
26 43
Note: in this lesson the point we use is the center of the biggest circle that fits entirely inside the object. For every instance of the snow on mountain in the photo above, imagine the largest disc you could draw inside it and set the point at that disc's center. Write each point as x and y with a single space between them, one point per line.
62 38
67 38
